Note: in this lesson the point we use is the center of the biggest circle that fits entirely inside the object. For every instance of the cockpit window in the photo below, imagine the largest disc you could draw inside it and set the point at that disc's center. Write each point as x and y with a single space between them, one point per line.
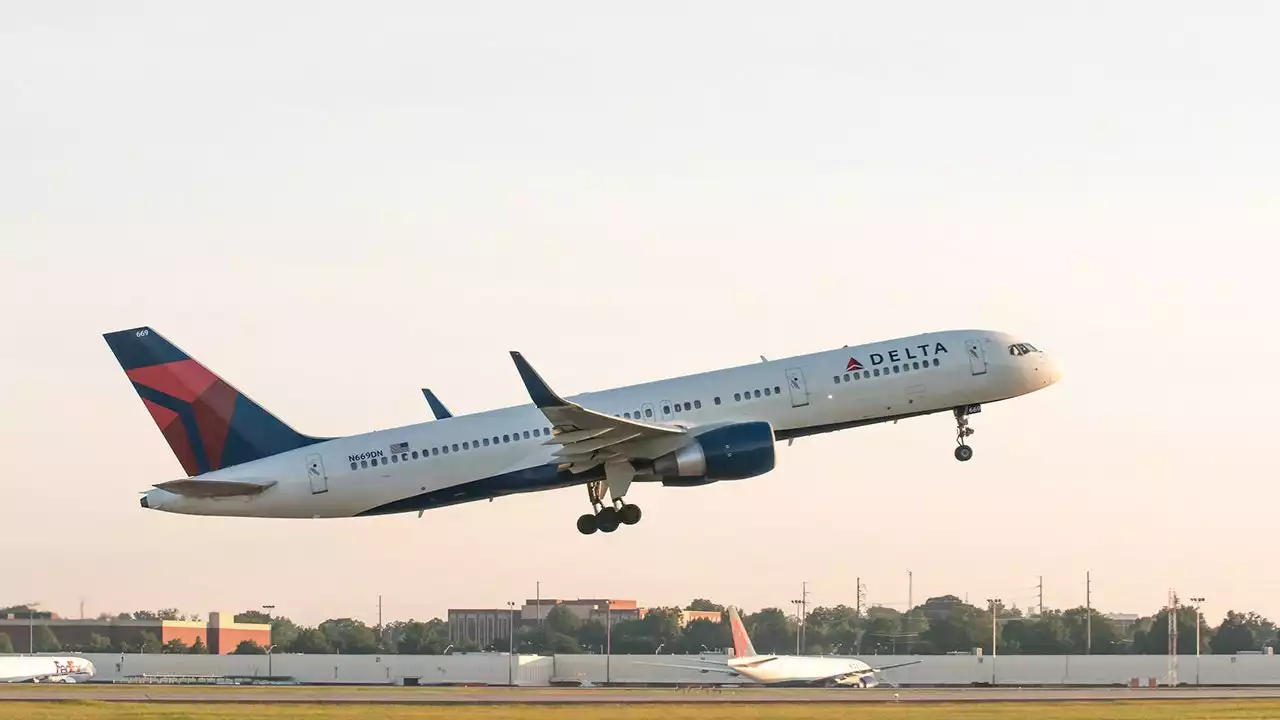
1022 348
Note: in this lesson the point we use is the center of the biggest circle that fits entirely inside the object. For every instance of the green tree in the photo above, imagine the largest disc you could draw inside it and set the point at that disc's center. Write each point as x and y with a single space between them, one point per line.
422 638
98 643
771 631
1096 637
45 640
248 647
175 647
311 641
562 620
1045 634
1155 640
1241 631
350 637
704 605
253 616
882 630
954 625
589 635
198 647
148 642
704 636
6 645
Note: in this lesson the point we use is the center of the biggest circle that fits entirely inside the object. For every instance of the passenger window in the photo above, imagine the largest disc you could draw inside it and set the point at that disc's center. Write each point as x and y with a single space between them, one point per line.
688 406
757 393
935 362
354 466
717 399
767 392
446 449
737 397
777 389
415 454
666 409
648 413
364 464
546 431
395 458
857 376
877 372
455 447
526 434
506 438
626 415
697 404
637 415
435 451
537 432
895 369
916 365
835 379
486 442
495 439
384 461
466 446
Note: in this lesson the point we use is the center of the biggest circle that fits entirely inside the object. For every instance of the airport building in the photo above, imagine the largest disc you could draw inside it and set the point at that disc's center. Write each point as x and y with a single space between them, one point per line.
220 633
482 627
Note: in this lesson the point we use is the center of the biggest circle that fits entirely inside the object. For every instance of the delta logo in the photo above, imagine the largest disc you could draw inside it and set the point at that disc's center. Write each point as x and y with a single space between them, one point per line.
853 365
898 355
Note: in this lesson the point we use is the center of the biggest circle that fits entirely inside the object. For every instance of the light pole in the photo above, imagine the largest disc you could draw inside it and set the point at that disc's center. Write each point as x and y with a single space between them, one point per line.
608 640
511 641
1199 617
995 603
270 673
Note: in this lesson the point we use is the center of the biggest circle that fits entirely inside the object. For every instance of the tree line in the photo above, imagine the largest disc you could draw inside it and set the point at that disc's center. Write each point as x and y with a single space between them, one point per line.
940 625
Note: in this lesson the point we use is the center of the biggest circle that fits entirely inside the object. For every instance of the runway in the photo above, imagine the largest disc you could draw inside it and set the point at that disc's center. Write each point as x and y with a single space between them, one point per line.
392 695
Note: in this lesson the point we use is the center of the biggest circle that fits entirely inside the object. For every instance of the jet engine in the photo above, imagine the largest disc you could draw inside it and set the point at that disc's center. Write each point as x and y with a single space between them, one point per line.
730 452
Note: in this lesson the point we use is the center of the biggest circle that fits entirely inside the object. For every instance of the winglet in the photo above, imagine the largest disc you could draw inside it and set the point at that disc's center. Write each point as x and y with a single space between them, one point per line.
437 408
541 393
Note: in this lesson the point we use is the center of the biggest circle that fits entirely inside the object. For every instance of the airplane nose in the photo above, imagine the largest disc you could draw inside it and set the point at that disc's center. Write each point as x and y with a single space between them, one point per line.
1049 370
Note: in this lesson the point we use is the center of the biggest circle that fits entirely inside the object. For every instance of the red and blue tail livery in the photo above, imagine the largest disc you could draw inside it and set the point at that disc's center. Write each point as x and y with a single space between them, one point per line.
208 424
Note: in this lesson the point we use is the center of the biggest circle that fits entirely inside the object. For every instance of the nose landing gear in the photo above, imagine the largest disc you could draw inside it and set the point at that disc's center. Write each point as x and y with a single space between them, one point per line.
963 451
606 518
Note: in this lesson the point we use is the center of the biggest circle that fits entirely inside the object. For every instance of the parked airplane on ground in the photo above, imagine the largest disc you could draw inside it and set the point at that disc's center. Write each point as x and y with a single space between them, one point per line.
721 425
41 668
786 669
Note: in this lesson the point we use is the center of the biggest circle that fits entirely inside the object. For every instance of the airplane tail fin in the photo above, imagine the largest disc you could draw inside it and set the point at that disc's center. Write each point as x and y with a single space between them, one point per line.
208 423
742 647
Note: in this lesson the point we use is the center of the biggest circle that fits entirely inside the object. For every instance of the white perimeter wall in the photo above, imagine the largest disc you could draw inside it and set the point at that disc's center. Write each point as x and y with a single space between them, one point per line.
538 670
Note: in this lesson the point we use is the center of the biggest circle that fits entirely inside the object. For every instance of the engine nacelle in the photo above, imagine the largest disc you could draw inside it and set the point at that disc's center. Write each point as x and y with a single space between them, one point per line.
732 452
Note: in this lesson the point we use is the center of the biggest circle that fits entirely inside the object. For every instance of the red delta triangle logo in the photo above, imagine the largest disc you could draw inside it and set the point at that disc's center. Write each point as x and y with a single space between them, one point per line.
853 365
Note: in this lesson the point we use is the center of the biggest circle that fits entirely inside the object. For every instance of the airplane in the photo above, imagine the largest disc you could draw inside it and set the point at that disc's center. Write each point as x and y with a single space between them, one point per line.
787 670
40 668
715 426
437 408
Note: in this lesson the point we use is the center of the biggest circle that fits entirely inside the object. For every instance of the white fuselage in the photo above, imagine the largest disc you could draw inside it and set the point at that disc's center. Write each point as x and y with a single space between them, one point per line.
37 668
501 452
788 669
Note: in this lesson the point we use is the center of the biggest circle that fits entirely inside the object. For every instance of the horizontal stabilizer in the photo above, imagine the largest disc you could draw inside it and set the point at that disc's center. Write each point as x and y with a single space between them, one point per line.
189 487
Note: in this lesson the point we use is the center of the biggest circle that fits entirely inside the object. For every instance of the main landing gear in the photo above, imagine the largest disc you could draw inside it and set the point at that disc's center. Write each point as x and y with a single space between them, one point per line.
963 451
606 518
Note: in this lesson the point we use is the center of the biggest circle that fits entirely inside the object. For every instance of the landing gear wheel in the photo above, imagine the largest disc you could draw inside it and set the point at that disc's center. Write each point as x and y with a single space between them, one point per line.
629 514
607 520
963 452
587 524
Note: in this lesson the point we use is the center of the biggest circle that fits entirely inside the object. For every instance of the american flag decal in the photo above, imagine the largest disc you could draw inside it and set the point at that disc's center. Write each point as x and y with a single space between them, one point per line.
399 448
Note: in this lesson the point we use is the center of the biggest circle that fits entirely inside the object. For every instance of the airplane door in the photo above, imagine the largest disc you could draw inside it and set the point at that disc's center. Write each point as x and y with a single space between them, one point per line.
799 391
977 357
316 474
647 408
666 410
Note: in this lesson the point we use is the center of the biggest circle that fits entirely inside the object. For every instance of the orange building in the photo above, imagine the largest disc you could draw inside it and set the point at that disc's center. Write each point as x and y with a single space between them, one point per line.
220 634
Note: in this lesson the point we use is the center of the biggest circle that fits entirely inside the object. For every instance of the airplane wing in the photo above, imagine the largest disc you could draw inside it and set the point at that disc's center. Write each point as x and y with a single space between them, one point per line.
437 408
700 668
898 665
589 438
191 487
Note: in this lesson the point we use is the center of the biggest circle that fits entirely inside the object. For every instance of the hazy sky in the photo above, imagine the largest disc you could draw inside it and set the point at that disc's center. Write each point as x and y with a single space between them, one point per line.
335 204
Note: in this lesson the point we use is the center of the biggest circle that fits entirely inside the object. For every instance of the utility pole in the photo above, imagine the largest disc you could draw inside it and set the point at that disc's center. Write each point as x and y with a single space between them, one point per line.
1041 596
511 642
379 622
1199 618
1172 614
538 595
995 603
1088 614
608 639
861 596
